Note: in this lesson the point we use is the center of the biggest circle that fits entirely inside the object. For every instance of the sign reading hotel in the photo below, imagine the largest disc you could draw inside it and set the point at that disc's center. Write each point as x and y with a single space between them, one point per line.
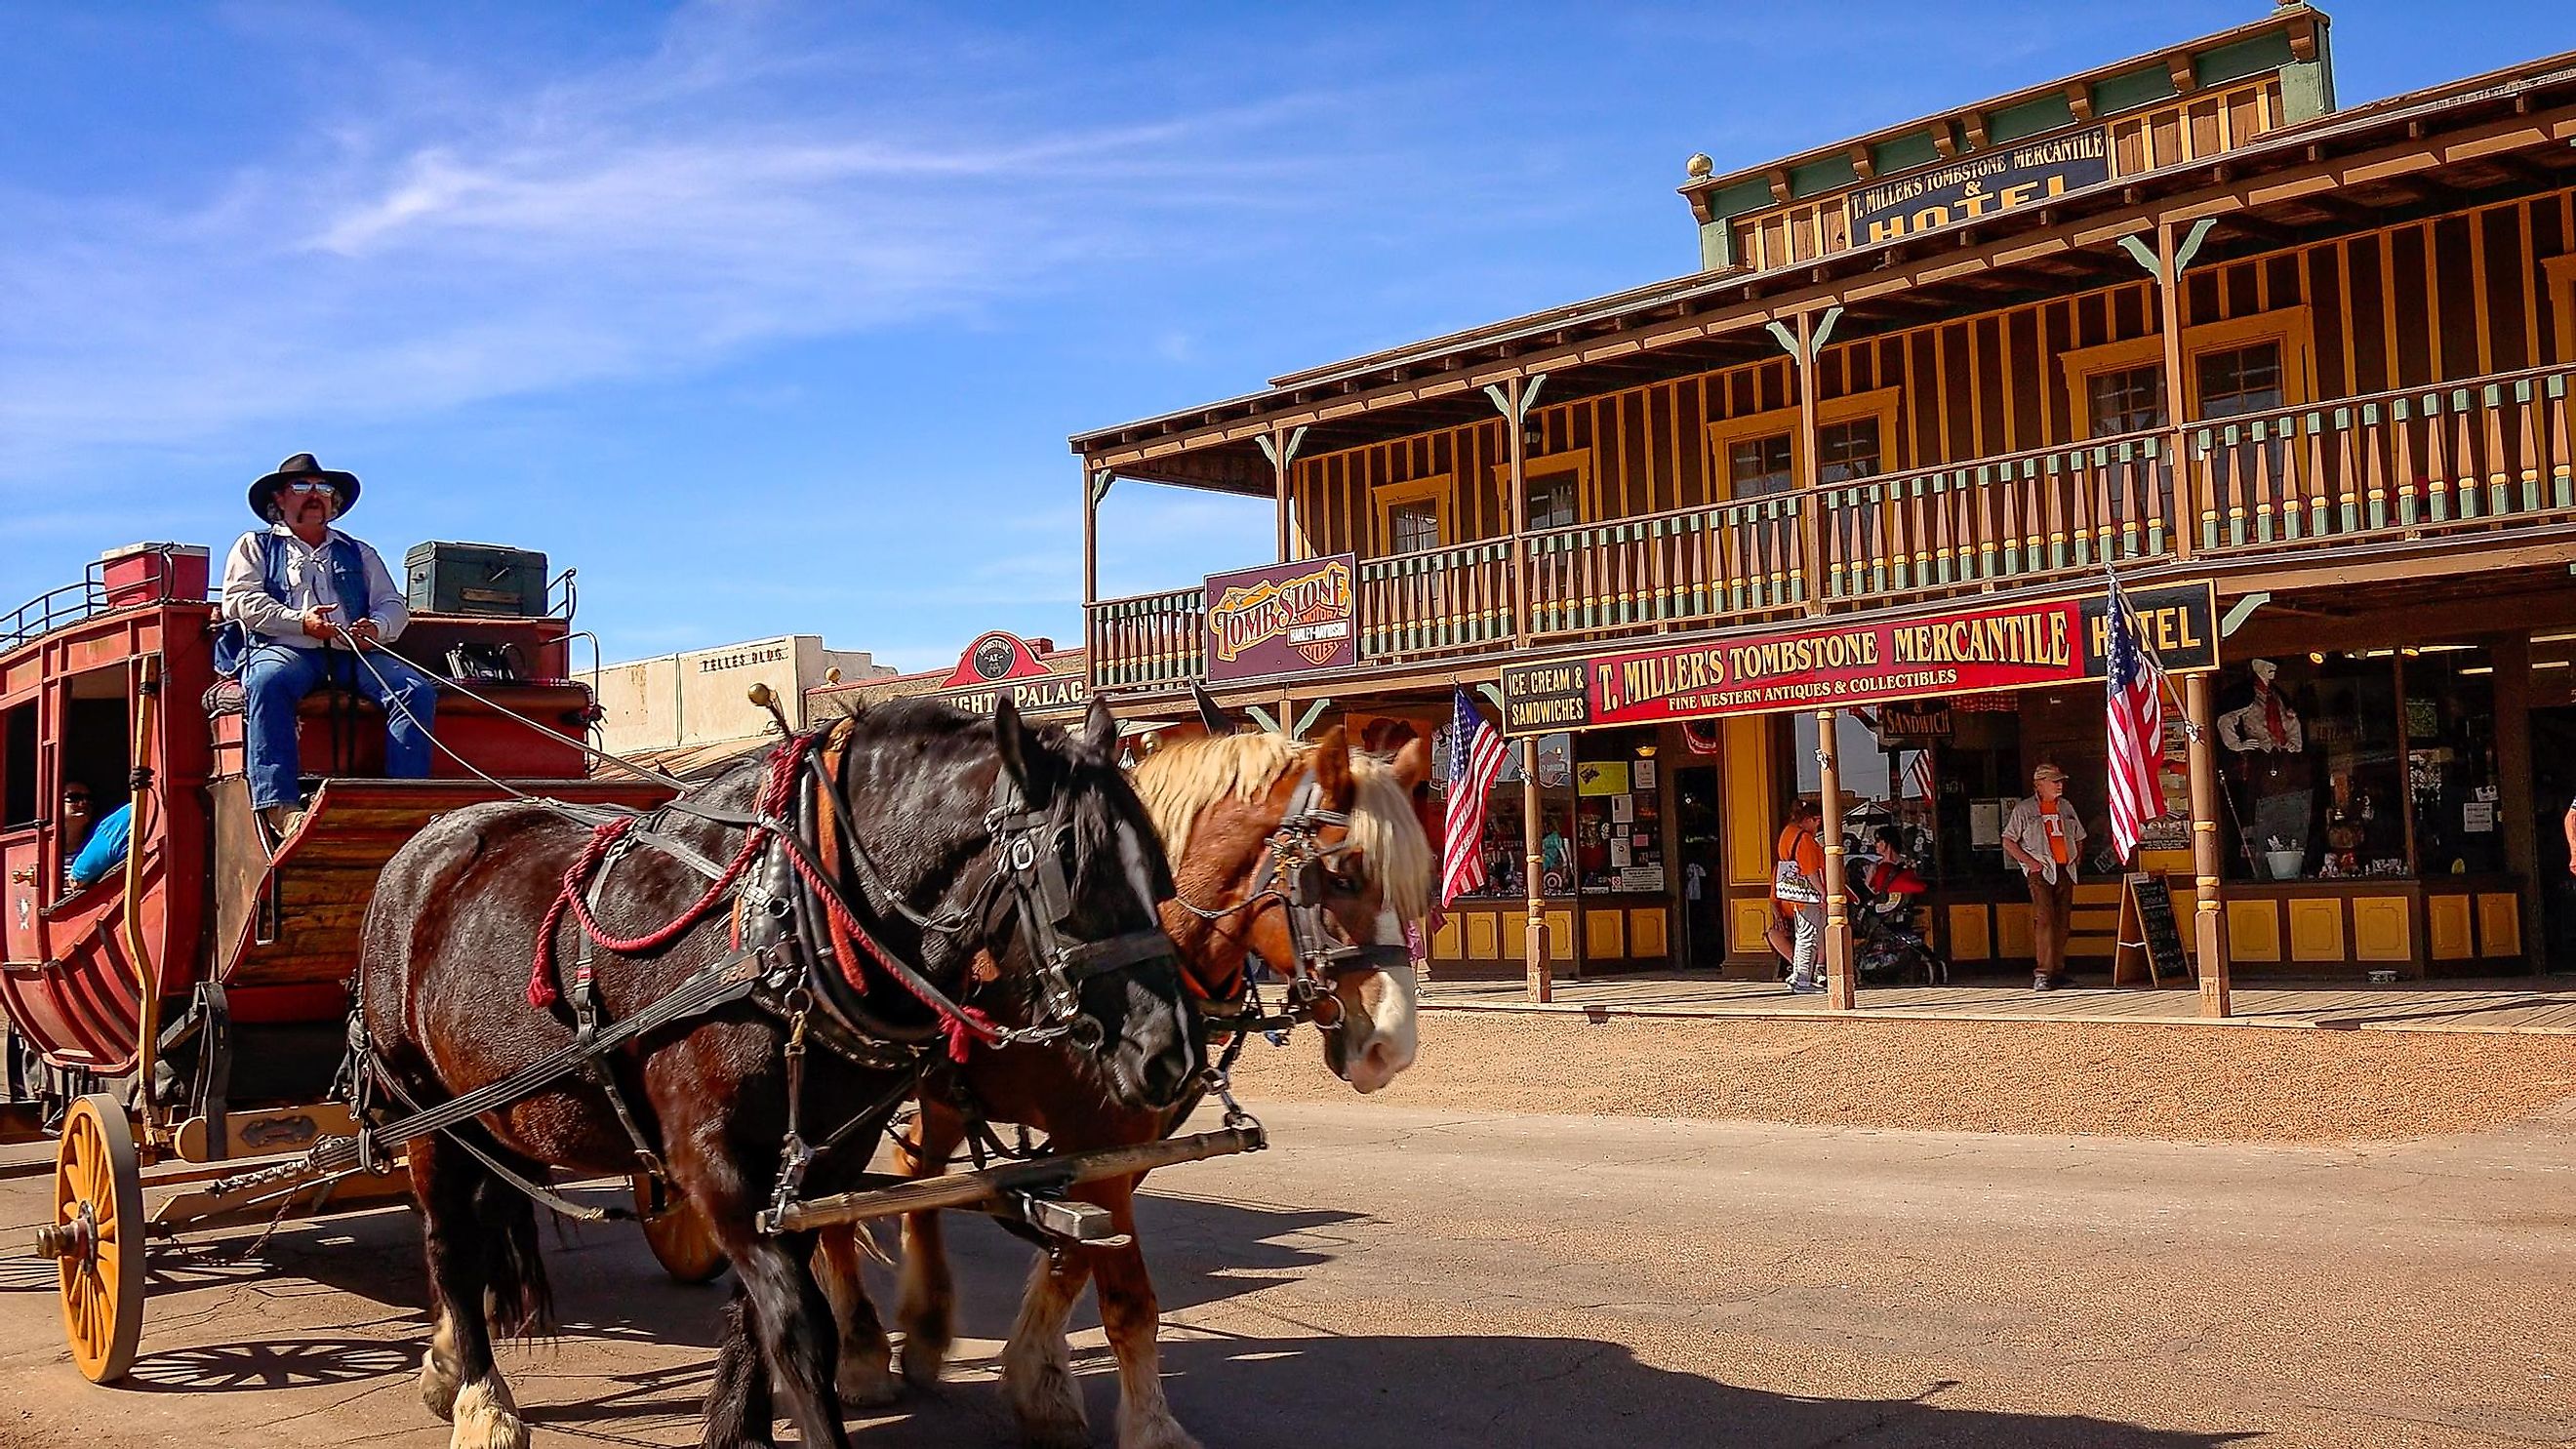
1839 666
2000 178
1288 618
1003 666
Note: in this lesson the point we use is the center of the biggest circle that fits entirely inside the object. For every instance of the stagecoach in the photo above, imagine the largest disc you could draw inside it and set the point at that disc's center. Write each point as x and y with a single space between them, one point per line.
180 1020
177 1028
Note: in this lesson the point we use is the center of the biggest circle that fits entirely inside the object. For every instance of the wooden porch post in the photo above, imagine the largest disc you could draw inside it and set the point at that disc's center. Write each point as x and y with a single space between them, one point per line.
1811 509
2169 304
1095 487
1514 419
2208 919
1542 975
1278 451
1840 989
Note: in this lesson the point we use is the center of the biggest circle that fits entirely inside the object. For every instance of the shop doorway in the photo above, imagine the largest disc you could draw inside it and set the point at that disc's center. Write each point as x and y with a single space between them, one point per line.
1700 827
2553 786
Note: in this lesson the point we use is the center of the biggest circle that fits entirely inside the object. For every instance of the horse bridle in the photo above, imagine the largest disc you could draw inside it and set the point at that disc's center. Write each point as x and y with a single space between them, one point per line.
1030 843
1294 862
1027 844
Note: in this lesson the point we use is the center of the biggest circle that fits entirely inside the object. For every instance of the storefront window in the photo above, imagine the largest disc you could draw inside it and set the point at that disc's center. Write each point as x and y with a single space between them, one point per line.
1845 451
1551 501
1413 527
2128 400
1618 813
1504 846
1755 466
2451 760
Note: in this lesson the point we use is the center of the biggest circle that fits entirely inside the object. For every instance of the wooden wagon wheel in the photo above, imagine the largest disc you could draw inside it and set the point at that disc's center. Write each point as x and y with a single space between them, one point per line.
679 1238
97 1235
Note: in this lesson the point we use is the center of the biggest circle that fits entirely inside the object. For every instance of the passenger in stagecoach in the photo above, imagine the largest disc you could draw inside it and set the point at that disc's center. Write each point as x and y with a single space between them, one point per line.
103 849
306 605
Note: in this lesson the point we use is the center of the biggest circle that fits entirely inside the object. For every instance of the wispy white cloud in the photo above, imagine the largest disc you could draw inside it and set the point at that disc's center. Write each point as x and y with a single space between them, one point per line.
467 239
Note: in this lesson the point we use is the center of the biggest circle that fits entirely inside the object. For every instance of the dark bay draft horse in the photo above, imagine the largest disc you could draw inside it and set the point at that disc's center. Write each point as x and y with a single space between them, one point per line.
943 820
1221 805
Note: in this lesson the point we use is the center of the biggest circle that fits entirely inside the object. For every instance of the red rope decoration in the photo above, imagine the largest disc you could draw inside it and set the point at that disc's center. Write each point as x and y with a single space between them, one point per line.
774 793
965 1024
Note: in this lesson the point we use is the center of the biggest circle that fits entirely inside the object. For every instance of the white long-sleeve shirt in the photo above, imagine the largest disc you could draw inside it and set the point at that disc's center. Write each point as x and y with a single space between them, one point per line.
308 585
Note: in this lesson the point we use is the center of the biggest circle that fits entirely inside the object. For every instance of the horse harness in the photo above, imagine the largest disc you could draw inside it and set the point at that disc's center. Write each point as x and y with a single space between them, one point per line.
798 944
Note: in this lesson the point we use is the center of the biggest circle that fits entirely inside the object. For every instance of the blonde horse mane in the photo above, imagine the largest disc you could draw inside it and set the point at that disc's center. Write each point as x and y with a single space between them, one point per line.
1181 781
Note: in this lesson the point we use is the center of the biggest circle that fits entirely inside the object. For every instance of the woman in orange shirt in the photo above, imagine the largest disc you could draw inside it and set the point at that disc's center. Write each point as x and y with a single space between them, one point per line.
1798 893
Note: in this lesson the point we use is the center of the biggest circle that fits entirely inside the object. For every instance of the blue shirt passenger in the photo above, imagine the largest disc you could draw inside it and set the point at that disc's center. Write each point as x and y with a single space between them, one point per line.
106 848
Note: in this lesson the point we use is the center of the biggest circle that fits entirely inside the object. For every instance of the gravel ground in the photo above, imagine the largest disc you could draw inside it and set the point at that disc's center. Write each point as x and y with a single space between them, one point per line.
2183 1083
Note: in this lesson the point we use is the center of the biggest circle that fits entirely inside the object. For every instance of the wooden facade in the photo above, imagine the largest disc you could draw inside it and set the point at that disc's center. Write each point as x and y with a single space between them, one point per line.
2371 335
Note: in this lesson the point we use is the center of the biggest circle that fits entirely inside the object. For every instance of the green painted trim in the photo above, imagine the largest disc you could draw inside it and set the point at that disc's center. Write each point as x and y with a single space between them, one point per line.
1904 153
1815 178
2249 57
2030 118
2141 87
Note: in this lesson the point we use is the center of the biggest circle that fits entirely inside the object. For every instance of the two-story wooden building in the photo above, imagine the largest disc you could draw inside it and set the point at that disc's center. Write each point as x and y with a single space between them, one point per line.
2300 374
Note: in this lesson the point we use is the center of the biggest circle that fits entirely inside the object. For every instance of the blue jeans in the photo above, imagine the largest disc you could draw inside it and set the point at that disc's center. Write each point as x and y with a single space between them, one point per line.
275 678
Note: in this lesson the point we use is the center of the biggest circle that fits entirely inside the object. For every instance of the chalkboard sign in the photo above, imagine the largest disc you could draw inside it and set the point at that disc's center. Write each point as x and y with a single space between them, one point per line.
2149 935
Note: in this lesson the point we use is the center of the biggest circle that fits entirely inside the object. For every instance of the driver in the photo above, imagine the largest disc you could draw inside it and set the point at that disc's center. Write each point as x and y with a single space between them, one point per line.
295 595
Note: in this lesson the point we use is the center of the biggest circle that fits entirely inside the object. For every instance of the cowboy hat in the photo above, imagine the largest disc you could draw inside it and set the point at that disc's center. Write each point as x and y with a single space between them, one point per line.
264 492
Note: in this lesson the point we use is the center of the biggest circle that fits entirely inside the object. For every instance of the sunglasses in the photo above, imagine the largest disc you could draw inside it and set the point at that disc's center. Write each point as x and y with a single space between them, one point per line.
75 797
312 485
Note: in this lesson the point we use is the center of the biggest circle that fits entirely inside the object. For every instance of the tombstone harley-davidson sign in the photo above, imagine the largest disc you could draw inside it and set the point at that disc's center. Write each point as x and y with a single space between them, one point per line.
2014 646
1287 618
1999 178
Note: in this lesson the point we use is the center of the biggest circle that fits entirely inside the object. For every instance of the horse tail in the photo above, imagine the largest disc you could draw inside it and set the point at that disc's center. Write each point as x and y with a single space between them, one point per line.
517 1296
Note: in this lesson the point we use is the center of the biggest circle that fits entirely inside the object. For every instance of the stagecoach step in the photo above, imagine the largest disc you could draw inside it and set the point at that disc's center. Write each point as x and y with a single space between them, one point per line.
1076 1222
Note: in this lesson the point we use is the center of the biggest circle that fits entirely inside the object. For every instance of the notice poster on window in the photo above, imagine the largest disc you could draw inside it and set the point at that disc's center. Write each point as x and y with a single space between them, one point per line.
1623 809
1644 774
1619 854
1985 822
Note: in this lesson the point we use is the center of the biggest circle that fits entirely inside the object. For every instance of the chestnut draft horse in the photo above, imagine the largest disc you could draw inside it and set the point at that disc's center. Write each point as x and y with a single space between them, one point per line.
945 820
1220 803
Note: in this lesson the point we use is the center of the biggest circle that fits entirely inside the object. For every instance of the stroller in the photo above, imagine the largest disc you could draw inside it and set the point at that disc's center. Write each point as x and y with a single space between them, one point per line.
1886 949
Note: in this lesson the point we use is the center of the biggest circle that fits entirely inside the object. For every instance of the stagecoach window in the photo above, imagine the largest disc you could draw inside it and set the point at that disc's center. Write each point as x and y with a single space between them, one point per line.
1845 451
1413 527
2129 400
2239 380
20 803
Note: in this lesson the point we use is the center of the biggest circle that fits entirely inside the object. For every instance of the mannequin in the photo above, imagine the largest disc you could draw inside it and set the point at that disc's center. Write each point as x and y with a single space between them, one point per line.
2269 748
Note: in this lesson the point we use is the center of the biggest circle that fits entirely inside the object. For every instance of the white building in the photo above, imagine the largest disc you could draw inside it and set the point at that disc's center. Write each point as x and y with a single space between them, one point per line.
701 698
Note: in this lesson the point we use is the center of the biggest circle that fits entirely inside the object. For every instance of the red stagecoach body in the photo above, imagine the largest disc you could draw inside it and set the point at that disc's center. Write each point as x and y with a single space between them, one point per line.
110 678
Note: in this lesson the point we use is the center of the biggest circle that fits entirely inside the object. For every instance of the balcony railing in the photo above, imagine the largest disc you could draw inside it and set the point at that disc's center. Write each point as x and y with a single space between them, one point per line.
2482 456
1151 641
1732 560
2459 458
2023 518
1437 601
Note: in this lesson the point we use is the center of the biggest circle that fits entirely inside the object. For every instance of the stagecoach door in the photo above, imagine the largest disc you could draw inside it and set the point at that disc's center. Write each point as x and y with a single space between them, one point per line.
22 809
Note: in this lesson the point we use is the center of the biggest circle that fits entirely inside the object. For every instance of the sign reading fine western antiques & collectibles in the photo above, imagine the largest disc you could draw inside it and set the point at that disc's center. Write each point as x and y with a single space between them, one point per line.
1837 666
1999 178
1286 618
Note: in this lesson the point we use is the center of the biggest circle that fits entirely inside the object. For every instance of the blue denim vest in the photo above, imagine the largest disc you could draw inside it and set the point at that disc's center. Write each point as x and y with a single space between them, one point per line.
348 584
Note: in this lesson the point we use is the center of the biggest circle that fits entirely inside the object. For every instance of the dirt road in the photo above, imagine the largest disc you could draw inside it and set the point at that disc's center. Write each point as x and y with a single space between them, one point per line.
1400 1276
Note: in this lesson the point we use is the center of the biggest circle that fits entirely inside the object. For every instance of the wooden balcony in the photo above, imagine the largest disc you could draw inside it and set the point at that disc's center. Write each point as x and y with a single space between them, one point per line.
2485 460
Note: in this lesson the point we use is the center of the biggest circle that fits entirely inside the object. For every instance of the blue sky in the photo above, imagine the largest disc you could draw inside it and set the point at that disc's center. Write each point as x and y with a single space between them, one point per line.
774 318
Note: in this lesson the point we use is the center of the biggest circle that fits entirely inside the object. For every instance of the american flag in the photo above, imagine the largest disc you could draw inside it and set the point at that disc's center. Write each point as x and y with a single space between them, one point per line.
1475 758
2134 708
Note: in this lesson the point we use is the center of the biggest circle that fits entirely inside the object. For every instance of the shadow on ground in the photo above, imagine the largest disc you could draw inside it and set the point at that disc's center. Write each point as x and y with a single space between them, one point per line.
1237 1391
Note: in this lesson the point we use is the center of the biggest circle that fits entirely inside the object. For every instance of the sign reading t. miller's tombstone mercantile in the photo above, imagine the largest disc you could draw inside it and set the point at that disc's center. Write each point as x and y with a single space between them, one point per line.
1999 178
